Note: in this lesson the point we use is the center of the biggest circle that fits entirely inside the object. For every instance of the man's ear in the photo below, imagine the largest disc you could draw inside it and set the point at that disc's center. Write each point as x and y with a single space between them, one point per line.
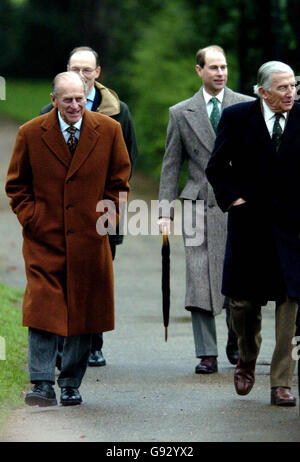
262 92
53 99
198 69
98 72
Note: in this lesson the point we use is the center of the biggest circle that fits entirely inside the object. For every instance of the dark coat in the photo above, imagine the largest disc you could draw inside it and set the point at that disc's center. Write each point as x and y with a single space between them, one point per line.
262 258
54 195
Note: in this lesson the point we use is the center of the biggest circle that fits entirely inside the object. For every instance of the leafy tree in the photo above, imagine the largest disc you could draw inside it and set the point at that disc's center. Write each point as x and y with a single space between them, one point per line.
49 30
147 48
161 74
9 35
122 24
250 32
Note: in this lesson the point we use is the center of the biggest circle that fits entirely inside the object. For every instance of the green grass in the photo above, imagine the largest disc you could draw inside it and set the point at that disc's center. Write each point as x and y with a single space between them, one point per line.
13 374
25 98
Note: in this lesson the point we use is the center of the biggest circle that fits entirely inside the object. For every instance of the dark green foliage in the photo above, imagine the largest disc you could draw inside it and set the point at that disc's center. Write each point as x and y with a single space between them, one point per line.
147 48
161 74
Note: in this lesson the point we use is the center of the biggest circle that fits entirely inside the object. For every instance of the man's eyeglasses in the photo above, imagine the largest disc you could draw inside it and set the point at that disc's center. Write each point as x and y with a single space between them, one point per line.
85 71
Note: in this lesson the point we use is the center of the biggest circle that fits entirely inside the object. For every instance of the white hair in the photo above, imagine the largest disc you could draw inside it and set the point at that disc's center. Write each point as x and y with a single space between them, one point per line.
264 74
69 76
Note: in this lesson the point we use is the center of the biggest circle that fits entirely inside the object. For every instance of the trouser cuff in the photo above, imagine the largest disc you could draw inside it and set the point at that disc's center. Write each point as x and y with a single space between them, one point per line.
74 383
42 377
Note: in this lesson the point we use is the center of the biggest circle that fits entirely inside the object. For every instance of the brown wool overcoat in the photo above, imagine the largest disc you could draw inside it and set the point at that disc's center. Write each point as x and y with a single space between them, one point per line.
68 264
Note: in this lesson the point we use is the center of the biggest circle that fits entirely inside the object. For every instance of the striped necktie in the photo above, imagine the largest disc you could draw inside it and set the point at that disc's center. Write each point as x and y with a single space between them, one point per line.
277 130
72 141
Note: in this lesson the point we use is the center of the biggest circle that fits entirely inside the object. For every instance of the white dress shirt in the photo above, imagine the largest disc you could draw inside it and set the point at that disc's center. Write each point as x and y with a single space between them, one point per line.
269 117
209 104
64 126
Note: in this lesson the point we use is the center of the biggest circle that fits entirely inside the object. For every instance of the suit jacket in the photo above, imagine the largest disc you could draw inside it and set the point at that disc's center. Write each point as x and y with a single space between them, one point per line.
54 195
190 138
262 260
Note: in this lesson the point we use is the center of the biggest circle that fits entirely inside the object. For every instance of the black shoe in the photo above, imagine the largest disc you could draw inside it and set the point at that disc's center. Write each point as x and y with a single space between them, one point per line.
70 396
207 365
96 359
232 354
41 395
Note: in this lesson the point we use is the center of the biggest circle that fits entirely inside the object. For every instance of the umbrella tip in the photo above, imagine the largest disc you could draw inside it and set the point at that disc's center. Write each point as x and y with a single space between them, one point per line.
166 334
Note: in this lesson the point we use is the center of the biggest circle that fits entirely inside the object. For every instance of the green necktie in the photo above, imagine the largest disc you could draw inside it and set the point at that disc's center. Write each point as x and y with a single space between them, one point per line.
277 130
215 114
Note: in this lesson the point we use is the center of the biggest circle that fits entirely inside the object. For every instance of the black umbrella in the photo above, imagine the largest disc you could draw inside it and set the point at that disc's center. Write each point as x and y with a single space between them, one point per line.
297 334
165 282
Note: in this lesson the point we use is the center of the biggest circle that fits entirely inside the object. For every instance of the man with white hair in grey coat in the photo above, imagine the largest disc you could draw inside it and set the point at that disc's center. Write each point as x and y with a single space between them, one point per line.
254 171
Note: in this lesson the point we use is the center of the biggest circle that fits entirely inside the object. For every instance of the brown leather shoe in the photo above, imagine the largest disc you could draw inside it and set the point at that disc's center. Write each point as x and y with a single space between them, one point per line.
244 377
282 396
207 365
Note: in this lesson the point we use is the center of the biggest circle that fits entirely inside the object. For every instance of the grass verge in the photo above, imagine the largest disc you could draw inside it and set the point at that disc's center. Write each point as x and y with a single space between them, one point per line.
13 375
25 98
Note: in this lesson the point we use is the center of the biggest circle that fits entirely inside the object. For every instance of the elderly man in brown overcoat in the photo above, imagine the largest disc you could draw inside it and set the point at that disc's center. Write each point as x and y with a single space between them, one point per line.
63 164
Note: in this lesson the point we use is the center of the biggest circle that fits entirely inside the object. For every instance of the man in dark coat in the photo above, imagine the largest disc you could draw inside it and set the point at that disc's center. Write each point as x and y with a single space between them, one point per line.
64 165
254 171
85 61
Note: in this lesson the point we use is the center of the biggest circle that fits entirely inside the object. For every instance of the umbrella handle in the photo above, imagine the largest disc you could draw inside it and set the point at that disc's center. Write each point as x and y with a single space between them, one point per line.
165 235
166 334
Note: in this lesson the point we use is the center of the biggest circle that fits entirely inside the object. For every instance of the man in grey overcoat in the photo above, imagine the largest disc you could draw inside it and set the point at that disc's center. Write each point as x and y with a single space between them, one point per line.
190 136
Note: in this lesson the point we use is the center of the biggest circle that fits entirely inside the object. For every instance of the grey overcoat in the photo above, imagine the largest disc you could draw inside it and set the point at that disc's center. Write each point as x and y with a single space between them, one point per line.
190 138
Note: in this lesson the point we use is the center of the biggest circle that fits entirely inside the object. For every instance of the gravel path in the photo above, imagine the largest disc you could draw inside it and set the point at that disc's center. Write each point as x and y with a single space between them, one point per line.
148 391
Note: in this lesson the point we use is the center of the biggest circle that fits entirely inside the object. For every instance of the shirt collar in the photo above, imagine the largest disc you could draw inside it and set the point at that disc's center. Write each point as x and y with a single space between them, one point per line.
268 113
208 97
91 95
64 125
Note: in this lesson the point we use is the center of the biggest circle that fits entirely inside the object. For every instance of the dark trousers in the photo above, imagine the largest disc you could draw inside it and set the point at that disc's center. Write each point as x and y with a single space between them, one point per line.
298 335
42 352
97 342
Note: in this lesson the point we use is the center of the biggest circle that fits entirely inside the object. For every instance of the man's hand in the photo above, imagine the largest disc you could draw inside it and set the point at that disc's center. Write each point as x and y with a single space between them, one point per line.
238 202
164 225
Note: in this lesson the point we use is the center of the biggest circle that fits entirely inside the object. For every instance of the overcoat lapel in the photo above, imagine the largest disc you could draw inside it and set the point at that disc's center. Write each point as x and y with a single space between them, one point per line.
290 132
197 118
54 139
258 126
229 98
87 141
